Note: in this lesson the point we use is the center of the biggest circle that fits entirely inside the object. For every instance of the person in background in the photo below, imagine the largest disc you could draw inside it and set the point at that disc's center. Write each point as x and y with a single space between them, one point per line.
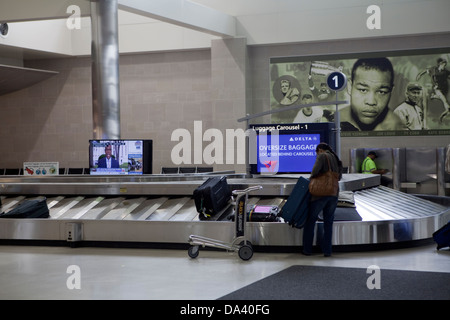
368 166
326 204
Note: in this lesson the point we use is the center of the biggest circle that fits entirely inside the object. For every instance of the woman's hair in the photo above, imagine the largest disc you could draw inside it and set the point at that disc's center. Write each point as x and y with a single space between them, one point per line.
326 147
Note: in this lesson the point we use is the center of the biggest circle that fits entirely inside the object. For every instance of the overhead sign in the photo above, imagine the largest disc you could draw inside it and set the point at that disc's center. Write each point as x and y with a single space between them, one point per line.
336 81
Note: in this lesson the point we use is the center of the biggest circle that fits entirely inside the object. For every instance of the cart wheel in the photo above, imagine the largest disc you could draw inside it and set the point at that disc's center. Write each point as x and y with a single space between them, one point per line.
245 252
193 251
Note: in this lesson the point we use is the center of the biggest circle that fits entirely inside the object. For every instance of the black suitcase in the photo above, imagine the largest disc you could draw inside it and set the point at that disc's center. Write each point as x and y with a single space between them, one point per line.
295 210
442 236
212 197
28 209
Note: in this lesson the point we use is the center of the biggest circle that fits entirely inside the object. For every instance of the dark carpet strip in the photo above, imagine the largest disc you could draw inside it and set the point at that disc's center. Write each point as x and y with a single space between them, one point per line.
336 283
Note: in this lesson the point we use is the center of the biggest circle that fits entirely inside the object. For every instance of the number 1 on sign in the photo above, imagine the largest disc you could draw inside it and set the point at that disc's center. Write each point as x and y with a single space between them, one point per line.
336 81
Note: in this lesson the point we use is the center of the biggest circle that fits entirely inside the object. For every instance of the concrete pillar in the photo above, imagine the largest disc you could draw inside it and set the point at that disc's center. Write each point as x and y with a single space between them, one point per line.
105 69
229 87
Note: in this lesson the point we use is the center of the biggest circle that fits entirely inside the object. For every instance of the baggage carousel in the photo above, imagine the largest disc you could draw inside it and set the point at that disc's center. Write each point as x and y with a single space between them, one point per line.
159 210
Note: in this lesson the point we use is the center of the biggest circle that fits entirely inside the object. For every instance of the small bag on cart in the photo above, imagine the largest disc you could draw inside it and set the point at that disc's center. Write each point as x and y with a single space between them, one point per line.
212 197
295 210
28 209
442 236
260 213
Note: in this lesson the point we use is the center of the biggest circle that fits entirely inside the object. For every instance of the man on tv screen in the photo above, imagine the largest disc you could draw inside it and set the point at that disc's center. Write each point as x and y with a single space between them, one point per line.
108 161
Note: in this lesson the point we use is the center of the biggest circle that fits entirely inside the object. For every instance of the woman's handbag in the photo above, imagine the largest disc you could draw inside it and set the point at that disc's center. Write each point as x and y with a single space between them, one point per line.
326 184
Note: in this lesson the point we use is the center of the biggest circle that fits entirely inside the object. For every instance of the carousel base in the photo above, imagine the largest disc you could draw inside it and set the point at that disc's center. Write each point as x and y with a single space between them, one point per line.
159 211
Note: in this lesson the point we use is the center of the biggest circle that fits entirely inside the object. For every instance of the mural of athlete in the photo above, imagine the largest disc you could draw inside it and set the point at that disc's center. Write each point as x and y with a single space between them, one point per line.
439 75
290 95
370 89
410 112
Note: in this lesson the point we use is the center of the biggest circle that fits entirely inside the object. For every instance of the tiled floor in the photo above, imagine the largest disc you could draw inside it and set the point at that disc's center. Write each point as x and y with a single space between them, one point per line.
117 273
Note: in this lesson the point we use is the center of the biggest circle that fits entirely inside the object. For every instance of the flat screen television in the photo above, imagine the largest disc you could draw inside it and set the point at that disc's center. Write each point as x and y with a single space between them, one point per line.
120 157
291 150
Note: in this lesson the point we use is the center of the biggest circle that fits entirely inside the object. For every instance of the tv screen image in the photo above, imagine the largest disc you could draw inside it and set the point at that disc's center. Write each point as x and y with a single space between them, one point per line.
119 157
288 148
293 153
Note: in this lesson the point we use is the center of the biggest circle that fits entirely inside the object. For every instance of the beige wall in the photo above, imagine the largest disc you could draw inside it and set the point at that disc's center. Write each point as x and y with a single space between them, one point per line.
52 121
161 92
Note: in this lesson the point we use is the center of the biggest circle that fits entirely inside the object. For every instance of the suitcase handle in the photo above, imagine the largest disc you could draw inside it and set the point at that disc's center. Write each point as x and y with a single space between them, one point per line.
249 189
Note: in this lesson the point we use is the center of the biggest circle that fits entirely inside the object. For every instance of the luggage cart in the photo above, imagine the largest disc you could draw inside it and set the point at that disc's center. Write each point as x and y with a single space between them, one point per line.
239 244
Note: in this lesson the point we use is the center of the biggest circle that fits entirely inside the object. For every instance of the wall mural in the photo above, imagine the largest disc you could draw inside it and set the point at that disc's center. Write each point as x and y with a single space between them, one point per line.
395 93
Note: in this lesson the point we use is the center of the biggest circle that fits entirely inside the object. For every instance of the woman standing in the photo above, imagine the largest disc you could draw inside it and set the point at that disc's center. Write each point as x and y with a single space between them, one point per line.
325 157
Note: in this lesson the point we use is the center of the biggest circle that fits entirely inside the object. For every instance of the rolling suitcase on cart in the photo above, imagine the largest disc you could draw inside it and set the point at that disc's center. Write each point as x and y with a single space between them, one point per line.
212 197
295 210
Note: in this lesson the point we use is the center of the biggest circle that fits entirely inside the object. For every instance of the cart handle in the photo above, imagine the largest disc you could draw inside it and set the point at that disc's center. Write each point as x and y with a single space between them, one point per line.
249 189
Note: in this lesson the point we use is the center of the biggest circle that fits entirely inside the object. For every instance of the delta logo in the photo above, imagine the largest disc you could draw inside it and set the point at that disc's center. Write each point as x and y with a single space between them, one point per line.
270 165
